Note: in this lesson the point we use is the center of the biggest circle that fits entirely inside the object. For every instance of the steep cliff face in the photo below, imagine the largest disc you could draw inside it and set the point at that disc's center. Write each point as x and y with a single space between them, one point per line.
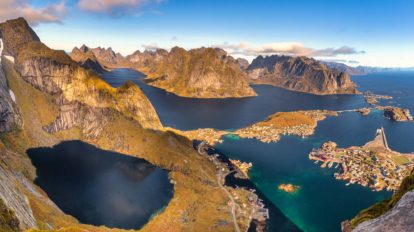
300 74
9 113
85 57
199 73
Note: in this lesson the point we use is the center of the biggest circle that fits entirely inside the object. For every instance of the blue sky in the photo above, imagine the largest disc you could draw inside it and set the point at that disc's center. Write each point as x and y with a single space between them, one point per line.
361 32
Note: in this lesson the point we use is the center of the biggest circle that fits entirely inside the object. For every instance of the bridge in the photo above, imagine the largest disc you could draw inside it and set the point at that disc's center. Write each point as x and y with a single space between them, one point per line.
381 132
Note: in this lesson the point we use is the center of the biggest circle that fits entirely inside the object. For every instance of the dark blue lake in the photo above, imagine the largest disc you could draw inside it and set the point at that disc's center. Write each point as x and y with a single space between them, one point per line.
322 202
100 187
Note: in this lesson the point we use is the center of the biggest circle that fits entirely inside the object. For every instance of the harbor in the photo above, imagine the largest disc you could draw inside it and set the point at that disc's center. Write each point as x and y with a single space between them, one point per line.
373 165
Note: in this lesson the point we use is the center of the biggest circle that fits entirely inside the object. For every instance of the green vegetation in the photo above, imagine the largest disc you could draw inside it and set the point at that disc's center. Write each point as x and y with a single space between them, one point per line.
400 160
382 207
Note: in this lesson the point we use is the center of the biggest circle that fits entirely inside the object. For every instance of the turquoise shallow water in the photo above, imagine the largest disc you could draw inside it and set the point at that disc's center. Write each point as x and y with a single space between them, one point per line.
322 202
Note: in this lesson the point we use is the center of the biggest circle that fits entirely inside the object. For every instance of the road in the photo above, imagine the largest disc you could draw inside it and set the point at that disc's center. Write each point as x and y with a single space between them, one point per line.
233 203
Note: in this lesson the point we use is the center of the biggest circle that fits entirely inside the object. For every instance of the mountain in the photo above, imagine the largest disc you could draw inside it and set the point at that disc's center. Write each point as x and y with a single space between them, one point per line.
98 59
86 58
109 59
197 73
300 74
47 98
243 63
353 71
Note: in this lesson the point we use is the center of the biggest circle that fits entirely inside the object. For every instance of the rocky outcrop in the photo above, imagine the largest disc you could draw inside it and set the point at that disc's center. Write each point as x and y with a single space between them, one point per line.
199 73
399 218
398 114
16 200
9 113
300 74
16 33
85 57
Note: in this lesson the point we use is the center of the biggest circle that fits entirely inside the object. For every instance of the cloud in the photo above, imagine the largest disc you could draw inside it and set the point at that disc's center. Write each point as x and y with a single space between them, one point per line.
115 7
52 13
341 61
150 47
287 48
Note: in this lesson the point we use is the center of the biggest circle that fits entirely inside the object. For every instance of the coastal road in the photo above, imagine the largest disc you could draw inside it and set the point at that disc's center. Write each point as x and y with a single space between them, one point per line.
233 203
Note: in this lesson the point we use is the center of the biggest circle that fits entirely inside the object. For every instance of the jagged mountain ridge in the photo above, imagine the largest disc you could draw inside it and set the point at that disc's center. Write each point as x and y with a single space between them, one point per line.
300 74
86 58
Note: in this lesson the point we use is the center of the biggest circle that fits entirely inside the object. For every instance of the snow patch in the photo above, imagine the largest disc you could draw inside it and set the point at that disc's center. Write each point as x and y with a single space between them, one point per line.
10 58
13 97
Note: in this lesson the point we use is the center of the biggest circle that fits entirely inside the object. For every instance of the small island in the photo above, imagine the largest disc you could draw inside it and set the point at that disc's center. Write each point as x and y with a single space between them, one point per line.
242 166
373 165
289 188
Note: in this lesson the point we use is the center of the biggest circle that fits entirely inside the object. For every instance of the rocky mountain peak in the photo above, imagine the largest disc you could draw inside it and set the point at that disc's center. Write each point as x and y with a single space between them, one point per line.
15 33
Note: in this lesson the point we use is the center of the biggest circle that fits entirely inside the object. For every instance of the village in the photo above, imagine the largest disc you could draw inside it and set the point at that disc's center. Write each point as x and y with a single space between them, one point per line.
253 209
373 165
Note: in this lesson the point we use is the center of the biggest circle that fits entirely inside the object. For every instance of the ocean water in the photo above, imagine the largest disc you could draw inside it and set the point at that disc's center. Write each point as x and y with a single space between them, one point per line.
100 187
322 202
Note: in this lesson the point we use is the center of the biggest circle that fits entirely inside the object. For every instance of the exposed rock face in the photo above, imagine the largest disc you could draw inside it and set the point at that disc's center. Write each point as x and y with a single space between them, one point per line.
85 57
9 114
399 218
398 114
16 33
80 92
300 74
109 59
199 73
16 200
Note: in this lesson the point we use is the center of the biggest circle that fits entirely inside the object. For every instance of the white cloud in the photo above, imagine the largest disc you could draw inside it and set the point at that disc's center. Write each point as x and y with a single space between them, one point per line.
287 48
114 7
52 13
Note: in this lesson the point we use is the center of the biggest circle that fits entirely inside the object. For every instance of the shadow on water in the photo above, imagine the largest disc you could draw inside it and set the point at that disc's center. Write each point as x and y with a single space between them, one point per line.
101 187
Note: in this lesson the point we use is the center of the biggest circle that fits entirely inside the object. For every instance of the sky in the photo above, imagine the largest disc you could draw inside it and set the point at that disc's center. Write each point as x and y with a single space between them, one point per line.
354 32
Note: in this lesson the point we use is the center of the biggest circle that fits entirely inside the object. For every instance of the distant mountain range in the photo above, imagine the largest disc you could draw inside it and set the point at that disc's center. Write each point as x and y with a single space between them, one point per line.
212 73
360 70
